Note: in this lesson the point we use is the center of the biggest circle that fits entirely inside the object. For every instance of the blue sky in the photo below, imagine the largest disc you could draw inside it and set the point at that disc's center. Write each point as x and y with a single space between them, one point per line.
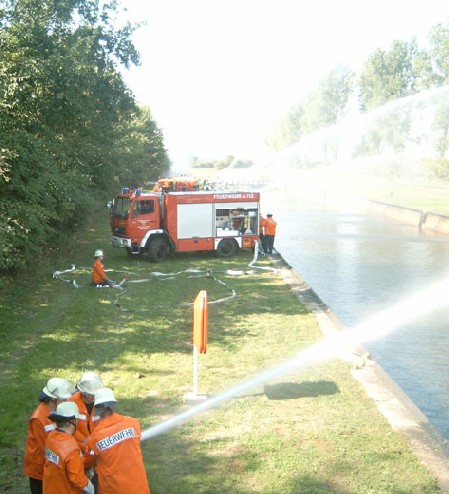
218 73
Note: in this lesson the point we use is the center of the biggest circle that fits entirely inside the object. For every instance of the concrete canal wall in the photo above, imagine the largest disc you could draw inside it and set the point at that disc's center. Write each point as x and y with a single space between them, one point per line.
424 220
436 222
403 415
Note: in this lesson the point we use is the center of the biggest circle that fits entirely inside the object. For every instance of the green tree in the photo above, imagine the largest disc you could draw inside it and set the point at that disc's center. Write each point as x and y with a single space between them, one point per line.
439 48
287 131
388 76
392 74
322 107
65 116
140 153
327 104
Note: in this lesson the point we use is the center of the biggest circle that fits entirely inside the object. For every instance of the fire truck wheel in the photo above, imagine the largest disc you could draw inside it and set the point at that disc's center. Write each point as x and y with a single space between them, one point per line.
227 247
157 250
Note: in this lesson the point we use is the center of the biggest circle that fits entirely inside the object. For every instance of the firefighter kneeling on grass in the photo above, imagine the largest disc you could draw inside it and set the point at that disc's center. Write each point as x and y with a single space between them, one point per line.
116 445
99 277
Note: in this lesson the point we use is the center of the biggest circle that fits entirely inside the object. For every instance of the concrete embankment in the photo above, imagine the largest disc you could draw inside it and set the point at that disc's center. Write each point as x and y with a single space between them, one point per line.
403 415
436 222
424 220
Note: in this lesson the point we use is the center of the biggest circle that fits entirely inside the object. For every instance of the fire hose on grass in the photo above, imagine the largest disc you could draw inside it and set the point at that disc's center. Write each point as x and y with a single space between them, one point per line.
193 273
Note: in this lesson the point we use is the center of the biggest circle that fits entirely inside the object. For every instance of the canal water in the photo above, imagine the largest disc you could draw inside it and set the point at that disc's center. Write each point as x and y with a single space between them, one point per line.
359 264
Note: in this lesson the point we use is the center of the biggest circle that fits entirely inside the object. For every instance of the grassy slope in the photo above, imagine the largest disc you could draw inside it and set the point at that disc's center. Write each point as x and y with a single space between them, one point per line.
313 431
427 195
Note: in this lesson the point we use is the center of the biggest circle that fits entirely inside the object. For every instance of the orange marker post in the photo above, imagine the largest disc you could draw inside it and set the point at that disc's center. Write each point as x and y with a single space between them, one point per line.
199 340
200 321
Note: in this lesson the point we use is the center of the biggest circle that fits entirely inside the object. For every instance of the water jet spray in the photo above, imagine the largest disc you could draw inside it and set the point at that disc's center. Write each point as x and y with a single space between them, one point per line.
378 326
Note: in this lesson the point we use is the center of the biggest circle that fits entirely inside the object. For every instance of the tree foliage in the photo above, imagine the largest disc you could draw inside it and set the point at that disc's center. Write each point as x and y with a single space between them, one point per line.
322 107
386 77
439 49
227 162
70 130
402 71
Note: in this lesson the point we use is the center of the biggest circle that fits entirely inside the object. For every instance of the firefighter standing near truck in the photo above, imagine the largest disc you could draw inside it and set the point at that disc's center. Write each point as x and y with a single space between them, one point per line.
116 445
262 234
64 463
54 392
270 232
99 276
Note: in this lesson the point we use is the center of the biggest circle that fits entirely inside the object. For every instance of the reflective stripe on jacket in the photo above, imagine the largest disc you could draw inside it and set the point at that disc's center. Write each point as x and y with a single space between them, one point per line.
39 425
64 465
120 467
85 426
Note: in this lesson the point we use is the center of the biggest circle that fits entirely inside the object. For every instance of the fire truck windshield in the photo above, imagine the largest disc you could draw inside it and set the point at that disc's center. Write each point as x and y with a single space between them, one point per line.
121 207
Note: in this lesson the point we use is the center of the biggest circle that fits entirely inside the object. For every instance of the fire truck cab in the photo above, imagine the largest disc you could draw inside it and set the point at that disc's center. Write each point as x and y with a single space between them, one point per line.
159 223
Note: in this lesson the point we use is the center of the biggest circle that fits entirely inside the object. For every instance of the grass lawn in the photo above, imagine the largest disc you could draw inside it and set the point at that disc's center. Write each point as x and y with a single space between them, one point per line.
310 431
424 194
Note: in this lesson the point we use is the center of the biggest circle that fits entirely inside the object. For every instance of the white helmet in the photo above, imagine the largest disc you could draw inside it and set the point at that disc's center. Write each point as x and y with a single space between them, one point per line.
64 390
98 253
49 389
89 383
104 395
67 409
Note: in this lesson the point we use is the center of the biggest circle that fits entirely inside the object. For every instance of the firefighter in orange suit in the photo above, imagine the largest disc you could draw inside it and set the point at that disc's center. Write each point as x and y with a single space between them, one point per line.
262 233
116 445
270 232
39 425
99 276
64 463
84 399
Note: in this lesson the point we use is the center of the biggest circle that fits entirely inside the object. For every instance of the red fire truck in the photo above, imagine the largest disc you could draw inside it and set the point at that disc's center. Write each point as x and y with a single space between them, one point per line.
158 223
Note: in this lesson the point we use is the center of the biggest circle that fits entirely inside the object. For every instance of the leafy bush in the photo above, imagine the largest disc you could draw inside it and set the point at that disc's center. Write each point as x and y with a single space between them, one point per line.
70 129
438 167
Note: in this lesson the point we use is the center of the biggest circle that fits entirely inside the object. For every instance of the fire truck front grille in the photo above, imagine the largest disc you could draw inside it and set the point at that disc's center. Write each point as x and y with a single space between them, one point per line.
118 230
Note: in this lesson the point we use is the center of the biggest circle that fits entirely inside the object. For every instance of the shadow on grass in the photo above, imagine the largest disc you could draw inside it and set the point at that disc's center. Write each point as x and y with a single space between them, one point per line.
50 327
237 464
293 391
178 465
